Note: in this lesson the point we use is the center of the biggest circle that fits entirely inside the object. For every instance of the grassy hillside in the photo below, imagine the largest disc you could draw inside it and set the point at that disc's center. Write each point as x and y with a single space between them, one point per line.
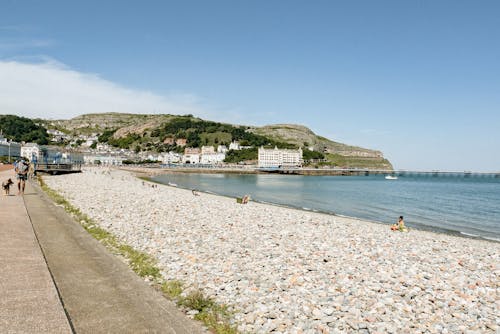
156 132
357 162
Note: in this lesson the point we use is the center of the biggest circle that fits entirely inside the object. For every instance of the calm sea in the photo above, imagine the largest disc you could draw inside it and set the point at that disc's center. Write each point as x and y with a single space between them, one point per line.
459 205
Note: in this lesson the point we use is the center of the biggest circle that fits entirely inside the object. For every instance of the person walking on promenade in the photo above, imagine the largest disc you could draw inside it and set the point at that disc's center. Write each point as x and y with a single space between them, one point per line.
21 169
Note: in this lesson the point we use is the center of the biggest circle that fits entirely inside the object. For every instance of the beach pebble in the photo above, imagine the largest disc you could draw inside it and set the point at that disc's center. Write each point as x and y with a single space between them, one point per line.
283 270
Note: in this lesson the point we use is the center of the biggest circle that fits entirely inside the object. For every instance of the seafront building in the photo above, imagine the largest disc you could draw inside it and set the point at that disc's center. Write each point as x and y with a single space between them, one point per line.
9 149
212 158
171 158
276 158
30 151
101 159
191 155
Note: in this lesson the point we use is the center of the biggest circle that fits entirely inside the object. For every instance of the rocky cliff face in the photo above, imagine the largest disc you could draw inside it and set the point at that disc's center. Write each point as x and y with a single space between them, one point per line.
100 122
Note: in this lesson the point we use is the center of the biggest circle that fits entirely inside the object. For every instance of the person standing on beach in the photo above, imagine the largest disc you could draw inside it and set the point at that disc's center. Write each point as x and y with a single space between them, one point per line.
21 169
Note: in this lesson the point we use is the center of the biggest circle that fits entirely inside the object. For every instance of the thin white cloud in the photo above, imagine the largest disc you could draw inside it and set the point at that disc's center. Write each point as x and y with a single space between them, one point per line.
53 91
13 45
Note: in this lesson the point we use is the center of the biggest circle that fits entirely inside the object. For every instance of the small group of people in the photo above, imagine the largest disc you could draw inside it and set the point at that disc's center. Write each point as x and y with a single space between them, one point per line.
21 168
400 225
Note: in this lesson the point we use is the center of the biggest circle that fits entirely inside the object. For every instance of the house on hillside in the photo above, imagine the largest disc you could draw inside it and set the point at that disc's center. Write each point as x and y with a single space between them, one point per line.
207 150
169 141
234 146
103 147
181 142
90 140
222 149
58 136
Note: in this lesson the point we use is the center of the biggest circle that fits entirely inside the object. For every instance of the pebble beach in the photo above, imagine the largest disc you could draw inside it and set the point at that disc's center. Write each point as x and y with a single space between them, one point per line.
283 270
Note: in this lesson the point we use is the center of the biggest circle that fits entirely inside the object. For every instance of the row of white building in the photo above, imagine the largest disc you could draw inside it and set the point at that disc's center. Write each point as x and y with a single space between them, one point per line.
267 158
206 155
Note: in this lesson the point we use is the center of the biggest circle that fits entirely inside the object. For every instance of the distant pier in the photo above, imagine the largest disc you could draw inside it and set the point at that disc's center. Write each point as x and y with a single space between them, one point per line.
210 169
367 172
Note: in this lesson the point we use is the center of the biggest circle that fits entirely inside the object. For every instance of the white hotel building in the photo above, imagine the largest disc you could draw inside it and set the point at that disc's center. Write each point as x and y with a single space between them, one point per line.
274 158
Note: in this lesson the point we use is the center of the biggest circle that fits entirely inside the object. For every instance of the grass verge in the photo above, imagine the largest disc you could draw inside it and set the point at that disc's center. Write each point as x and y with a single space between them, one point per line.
215 317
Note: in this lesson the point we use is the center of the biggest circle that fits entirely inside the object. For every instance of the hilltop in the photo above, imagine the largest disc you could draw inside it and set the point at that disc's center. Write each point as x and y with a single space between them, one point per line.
158 133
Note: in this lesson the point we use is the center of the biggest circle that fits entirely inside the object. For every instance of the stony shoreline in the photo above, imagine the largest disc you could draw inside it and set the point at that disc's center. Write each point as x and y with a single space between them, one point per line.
291 271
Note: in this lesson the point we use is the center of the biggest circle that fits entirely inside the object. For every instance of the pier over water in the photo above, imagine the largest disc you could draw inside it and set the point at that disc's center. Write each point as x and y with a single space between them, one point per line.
367 172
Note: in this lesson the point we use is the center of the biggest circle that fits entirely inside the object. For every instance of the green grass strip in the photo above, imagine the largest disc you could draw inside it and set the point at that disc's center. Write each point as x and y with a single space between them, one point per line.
215 317
211 314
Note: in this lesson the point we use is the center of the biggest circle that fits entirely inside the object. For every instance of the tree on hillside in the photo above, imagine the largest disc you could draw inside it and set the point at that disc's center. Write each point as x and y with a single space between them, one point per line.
234 156
23 129
310 155
106 135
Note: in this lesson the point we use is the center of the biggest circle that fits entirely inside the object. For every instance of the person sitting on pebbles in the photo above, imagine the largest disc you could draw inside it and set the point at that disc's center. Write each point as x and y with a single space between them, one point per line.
399 226
245 199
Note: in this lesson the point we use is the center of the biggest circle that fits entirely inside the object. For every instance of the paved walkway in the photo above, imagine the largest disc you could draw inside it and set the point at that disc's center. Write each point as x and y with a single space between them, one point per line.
98 292
29 302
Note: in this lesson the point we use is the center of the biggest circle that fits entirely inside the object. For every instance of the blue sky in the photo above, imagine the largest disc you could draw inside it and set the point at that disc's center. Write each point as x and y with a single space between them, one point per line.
418 80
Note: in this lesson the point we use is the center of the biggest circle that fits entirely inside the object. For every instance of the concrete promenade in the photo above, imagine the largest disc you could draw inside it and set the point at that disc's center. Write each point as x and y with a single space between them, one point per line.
55 278
29 302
